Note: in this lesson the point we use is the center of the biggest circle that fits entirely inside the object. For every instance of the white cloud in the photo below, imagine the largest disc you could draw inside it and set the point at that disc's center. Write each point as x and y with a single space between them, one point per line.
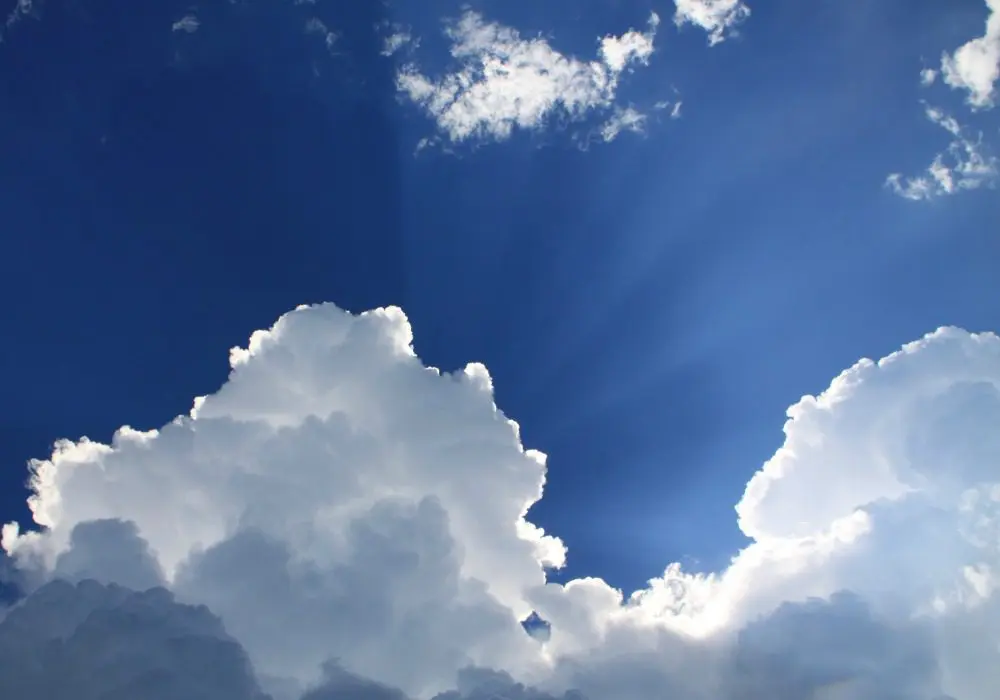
314 25
623 119
330 459
975 66
505 82
187 23
717 17
964 165
336 499
394 42
673 107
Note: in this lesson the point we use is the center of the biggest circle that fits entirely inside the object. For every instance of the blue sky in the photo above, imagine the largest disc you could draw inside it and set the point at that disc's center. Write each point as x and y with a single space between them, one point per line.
655 250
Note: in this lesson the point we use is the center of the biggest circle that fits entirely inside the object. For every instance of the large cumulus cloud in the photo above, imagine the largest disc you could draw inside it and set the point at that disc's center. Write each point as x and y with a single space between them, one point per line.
334 487
357 522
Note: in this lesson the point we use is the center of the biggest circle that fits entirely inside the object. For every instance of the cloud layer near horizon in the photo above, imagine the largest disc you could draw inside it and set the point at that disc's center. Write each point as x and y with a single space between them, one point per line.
336 499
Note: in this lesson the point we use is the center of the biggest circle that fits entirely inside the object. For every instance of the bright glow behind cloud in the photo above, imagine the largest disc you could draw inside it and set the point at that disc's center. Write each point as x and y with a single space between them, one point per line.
337 499
505 81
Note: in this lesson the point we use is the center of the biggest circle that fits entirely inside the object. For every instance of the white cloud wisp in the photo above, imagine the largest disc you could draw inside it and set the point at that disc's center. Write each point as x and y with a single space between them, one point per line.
505 82
964 165
357 522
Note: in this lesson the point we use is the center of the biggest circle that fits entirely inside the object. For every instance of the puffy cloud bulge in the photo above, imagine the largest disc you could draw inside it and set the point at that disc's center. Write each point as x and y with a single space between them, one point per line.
356 522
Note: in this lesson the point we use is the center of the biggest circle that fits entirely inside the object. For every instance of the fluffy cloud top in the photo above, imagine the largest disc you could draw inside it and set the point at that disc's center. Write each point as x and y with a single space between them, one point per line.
964 165
717 17
357 522
504 81
975 66
331 458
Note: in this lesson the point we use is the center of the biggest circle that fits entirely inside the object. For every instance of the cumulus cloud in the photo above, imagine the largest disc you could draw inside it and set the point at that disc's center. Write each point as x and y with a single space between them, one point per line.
504 81
10 581
719 18
335 498
975 66
109 551
69 642
357 522
965 164
340 684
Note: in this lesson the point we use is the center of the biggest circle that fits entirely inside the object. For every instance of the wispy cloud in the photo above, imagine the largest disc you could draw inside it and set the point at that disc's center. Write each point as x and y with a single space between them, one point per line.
505 81
966 163
22 9
624 119
396 41
963 165
187 23
317 27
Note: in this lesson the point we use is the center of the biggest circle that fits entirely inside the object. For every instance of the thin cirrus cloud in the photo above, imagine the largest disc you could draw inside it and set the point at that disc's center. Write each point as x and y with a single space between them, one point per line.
966 162
357 522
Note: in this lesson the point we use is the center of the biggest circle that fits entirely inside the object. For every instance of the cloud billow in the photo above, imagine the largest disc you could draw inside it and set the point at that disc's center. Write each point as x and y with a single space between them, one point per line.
357 522
94 642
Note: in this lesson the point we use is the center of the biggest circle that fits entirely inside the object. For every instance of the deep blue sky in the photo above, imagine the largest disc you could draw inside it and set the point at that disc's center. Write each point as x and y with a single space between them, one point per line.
648 308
